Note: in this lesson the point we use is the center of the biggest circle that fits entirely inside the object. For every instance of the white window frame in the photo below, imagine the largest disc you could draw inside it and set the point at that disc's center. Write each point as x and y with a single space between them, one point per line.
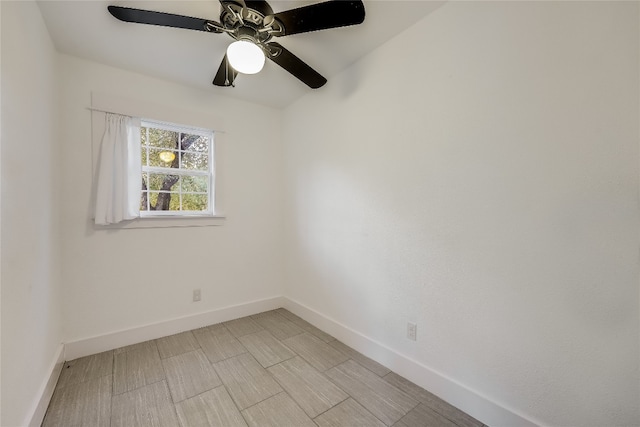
102 102
211 173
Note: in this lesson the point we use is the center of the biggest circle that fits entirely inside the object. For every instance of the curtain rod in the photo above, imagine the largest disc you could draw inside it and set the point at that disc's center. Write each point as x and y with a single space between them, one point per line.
121 114
104 111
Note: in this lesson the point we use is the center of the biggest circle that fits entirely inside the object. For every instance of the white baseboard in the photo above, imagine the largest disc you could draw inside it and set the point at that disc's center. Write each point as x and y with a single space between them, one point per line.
468 400
46 389
110 341
457 394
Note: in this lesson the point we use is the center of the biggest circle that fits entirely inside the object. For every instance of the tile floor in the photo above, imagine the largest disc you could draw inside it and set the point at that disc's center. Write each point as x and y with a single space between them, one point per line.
271 369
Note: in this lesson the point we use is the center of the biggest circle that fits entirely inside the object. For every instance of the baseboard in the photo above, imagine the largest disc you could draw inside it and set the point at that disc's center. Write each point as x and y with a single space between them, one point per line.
470 401
110 341
46 389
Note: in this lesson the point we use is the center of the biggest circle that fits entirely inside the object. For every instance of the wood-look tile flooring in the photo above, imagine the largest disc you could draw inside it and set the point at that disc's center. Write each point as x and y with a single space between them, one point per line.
271 369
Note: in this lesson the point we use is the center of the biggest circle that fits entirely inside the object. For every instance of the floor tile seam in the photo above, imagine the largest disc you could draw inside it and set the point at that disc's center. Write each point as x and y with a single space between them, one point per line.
291 336
226 358
61 386
280 341
332 406
164 370
155 345
201 393
415 395
266 398
231 397
290 397
378 394
172 404
372 414
221 324
288 348
289 394
180 354
113 382
282 321
448 417
195 395
211 366
137 388
271 376
283 387
266 370
392 401
337 364
246 352
350 356
440 414
238 336
271 331
309 362
225 323
113 379
277 363
428 404
376 375
217 338
296 402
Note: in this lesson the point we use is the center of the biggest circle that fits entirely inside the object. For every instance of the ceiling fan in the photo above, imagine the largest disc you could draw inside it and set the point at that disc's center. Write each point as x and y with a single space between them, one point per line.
252 24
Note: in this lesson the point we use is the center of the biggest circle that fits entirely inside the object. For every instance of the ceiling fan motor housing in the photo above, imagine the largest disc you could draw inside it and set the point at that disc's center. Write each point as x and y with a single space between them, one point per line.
248 23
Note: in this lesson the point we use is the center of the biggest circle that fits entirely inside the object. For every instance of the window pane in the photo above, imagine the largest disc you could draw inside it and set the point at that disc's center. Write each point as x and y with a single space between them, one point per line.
163 138
194 202
161 182
174 202
143 155
176 169
160 201
163 158
195 161
153 199
195 184
143 135
195 143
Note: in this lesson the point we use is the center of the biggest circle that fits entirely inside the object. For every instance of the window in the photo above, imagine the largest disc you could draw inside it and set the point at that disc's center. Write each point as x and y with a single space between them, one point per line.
177 170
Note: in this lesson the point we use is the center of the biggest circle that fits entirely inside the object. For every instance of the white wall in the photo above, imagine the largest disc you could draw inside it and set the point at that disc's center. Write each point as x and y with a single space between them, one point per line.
478 175
123 279
31 287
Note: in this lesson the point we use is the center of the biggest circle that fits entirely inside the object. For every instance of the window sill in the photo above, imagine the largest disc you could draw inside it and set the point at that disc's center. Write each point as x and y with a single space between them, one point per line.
166 222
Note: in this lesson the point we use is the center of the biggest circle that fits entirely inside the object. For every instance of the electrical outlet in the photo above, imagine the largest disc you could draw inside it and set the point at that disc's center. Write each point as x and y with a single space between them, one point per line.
196 295
412 331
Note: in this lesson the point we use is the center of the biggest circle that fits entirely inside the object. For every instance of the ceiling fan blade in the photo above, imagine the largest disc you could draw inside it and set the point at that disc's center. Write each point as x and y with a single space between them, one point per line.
226 75
321 16
294 65
260 5
150 17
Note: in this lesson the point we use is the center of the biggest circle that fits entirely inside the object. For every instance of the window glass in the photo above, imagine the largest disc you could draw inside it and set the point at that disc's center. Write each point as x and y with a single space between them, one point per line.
177 170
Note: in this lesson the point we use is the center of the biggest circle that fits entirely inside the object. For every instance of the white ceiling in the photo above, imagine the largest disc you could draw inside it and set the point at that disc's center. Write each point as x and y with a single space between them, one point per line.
86 29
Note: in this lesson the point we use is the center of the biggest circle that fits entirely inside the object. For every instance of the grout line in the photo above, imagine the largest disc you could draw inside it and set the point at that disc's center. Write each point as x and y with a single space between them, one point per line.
343 400
266 398
280 319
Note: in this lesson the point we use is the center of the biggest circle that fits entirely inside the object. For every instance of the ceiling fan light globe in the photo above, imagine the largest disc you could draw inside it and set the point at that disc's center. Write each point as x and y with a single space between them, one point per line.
245 57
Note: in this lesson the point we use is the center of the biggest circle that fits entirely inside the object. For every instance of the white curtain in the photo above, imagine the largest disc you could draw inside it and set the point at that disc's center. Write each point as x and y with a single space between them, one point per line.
119 174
